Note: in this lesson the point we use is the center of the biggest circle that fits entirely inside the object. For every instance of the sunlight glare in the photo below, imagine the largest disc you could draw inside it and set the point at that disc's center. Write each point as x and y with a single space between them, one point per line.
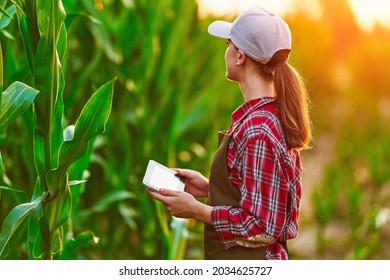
367 12
370 12
234 7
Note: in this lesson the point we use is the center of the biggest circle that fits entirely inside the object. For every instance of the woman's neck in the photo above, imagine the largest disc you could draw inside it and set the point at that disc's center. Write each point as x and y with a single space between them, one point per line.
254 87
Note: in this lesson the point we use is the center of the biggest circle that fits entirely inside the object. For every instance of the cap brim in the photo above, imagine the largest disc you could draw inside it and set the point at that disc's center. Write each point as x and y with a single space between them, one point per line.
220 29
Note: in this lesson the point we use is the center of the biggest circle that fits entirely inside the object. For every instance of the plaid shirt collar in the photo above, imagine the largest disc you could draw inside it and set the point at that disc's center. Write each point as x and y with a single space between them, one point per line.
241 112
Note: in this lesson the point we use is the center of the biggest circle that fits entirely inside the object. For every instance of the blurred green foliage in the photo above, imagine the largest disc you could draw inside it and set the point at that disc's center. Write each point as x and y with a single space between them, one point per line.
171 97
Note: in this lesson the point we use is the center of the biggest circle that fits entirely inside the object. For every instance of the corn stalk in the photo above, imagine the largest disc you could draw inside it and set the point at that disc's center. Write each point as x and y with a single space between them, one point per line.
56 148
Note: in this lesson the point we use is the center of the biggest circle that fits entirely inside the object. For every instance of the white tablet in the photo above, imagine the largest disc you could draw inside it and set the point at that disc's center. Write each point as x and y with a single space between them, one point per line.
159 176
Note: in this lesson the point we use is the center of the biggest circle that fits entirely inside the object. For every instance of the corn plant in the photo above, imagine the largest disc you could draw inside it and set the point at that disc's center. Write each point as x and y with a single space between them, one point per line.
17 97
56 145
167 94
353 197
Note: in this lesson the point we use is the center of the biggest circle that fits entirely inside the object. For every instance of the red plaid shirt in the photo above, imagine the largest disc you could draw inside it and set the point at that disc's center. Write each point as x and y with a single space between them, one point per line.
268 177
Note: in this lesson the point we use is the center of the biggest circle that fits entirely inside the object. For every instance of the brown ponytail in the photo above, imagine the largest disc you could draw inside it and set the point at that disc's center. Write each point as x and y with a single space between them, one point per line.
292 104
291 100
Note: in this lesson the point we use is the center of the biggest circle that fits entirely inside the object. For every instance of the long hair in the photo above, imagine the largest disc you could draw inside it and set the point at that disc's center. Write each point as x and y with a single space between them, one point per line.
292 102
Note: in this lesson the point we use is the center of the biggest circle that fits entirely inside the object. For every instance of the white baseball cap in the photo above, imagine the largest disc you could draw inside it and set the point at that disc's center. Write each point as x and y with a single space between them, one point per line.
257 32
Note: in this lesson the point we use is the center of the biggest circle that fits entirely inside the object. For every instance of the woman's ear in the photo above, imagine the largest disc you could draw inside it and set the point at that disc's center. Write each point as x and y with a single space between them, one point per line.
241 57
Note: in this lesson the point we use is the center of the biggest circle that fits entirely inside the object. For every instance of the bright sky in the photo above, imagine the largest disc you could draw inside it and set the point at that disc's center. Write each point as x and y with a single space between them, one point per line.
222 7
367 12
370 11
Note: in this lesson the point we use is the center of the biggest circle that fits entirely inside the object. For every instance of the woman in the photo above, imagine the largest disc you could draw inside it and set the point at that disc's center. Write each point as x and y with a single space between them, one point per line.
254 189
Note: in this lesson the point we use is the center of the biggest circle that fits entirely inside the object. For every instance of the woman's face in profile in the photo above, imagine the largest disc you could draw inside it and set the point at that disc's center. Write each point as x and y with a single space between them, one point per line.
231 60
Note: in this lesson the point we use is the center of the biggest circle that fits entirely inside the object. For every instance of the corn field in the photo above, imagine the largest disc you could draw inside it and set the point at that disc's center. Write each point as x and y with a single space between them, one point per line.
93 89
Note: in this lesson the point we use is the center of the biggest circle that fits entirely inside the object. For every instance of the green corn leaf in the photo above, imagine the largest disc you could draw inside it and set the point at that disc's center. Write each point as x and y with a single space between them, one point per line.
34 239
4 188
1 73
56 10
107 201
7 16
3 10
57 128
57 243
35 235
48 76
58 209
70 17
179 238
39 159
27 21
62 43
94 116
15 100
15 218
76 182
49 80
83 240
91 122
129 215
101 33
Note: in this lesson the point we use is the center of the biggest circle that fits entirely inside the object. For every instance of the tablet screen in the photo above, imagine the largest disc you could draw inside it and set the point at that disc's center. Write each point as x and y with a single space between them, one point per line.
159 176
